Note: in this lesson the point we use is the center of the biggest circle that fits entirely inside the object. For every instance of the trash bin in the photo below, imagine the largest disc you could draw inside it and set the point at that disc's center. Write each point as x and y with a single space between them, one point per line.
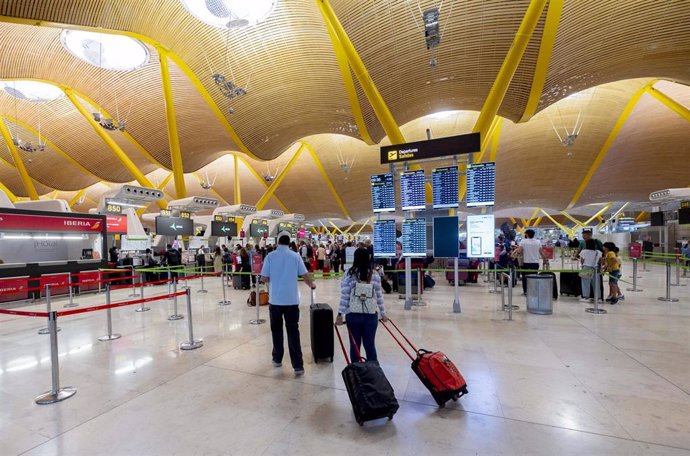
539 294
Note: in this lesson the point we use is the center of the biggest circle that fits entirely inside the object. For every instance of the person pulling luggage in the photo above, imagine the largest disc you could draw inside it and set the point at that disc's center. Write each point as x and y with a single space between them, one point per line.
361 296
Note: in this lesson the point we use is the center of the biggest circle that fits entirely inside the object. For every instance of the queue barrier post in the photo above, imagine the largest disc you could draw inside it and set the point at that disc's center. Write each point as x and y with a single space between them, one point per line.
100 280
495 288
225 301
192 343
71 302
175 315
141 285
169 283
596 309
134 289
408 283
634 277
456 289
184 277
257 320
668 297
109 318
56 394
678 284
46 330
203 272
420 285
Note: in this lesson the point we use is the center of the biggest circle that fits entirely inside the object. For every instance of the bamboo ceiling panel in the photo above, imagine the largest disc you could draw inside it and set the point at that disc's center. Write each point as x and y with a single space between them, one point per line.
10 177
603 41
475 38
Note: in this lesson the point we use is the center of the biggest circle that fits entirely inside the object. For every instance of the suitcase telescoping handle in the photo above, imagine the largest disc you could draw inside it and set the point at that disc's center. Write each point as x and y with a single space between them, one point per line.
407 352
342 346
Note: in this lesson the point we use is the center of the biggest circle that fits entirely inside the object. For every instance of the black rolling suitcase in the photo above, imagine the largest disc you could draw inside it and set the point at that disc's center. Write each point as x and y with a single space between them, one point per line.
553 281
321 328
370 393
570 282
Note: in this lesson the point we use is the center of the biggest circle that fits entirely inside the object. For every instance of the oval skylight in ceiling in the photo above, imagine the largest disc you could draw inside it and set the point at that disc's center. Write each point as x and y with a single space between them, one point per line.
32 90
230 13
111 52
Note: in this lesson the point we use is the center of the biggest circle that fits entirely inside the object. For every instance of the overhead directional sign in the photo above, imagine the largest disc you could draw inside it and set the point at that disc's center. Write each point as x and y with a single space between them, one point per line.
174 226
221 229
433 148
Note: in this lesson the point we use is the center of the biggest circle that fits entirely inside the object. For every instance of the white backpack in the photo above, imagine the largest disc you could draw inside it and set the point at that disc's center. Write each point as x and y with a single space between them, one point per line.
362 298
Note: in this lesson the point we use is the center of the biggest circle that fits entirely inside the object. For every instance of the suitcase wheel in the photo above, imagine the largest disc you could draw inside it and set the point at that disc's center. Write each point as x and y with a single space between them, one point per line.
390 417
331 359
316 360
360 422
455 398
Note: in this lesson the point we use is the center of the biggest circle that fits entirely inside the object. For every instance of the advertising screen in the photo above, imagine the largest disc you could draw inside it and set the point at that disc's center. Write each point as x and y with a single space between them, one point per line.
116 223
174 226
481 184
412 190
414 237
446 237
683 216
382 193
444 183
657 218
222 229
384 238
480 236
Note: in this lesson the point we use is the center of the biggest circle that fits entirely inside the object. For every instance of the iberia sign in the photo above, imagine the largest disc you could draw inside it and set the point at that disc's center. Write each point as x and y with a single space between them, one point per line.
116 223
48 223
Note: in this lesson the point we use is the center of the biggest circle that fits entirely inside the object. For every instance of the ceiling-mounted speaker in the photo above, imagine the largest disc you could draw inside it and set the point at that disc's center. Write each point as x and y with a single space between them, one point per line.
432 33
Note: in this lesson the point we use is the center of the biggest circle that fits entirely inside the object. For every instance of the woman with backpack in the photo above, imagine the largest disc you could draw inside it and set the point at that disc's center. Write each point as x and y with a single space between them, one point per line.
361 297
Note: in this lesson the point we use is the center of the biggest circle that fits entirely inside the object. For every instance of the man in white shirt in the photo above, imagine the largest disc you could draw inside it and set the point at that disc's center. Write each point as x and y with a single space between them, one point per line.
531 251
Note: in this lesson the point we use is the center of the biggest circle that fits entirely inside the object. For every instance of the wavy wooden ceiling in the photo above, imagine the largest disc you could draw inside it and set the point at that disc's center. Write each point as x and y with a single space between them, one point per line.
296 92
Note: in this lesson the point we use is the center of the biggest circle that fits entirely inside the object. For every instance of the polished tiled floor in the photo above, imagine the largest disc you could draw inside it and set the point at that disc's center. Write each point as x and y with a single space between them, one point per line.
569 383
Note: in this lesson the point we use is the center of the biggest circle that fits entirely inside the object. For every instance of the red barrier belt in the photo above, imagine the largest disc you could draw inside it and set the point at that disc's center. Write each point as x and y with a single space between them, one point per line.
64 313
24 313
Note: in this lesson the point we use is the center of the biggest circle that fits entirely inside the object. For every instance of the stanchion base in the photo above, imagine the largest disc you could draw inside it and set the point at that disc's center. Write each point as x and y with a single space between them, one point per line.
202 291
175 317
494 291
196 343
133 295
408 304
505 307
109 337
47 331
634 290
186 287
456 307
420 304
668 299
633 277
595 310
67 306
255 321
673 285
223 303
142 309
50 398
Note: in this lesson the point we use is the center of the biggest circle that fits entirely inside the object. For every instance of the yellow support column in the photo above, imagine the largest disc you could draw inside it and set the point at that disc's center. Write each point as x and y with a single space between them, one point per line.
238 198
18 163
604 209
329 183
13 198
173 136
336 227
110 142
263 182
571 218
568 231
76 197
363 225
269 191
670 103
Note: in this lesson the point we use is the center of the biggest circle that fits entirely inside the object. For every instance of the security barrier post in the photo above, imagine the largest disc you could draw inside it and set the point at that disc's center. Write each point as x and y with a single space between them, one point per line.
134 288
257 320
495 288
634 277
202 290
668 297
408 283
192 343
46 330
678 284
225 301
175 315
456 289
71 293
109 317
420 285
56 394
141 286
596 309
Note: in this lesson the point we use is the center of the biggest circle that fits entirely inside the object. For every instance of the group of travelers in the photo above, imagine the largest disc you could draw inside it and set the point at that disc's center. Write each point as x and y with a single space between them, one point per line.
320 256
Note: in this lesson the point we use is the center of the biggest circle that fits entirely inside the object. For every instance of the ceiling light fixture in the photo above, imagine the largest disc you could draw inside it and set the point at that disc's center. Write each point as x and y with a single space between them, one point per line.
110 52
230 13
34 91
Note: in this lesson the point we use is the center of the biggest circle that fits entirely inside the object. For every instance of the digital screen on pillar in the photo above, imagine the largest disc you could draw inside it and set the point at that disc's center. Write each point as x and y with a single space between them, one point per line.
446 237
384 238
221 229
684 216
382 193
481 184
412 190
174 226
258 228
657 218
444 184
480 236
414 237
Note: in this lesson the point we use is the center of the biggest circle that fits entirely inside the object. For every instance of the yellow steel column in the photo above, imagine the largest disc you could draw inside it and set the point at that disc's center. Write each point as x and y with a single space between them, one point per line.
366 222
350 227
568 231
336 227
571 218
640 216
263 182
269 191
329 184
13 198
76 197
238 197
604 209
670 103
495 135
173 137
117 151
18 163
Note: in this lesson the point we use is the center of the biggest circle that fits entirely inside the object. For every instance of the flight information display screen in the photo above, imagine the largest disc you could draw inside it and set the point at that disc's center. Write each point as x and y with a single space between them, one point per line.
481 184
258 228
382 193
412 190
414 237
444 183
384 238
173 226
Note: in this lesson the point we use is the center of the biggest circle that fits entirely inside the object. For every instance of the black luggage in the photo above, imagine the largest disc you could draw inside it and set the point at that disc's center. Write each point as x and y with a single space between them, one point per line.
386 285
429 282
370 393
571 284
553 281
321 323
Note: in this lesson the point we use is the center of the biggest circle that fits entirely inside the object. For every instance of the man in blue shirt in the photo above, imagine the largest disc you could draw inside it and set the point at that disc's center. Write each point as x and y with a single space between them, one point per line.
281 269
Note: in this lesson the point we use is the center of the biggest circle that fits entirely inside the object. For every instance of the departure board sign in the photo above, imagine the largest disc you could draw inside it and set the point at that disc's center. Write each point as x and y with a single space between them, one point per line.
382 193
258 228
481 184
433 148
173 226
414 237
412 190
444 183
384 238
222 229
480 236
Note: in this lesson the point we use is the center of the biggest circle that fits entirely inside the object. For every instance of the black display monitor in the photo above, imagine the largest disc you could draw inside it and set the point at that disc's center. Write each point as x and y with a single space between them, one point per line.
684 216
481 184
412 190
657 218
446 237
414 237
174 226
258 228
382 193
221 229
384 238
444 184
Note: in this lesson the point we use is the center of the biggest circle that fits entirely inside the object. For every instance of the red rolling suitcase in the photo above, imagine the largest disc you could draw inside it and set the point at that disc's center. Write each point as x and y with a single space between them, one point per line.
438 373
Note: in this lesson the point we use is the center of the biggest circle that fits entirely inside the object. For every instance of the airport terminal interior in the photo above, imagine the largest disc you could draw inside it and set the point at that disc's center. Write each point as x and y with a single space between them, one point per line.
513 173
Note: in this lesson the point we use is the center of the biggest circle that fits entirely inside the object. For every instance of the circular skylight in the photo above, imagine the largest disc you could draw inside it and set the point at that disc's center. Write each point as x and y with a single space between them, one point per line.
230 13
112 52
32 90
